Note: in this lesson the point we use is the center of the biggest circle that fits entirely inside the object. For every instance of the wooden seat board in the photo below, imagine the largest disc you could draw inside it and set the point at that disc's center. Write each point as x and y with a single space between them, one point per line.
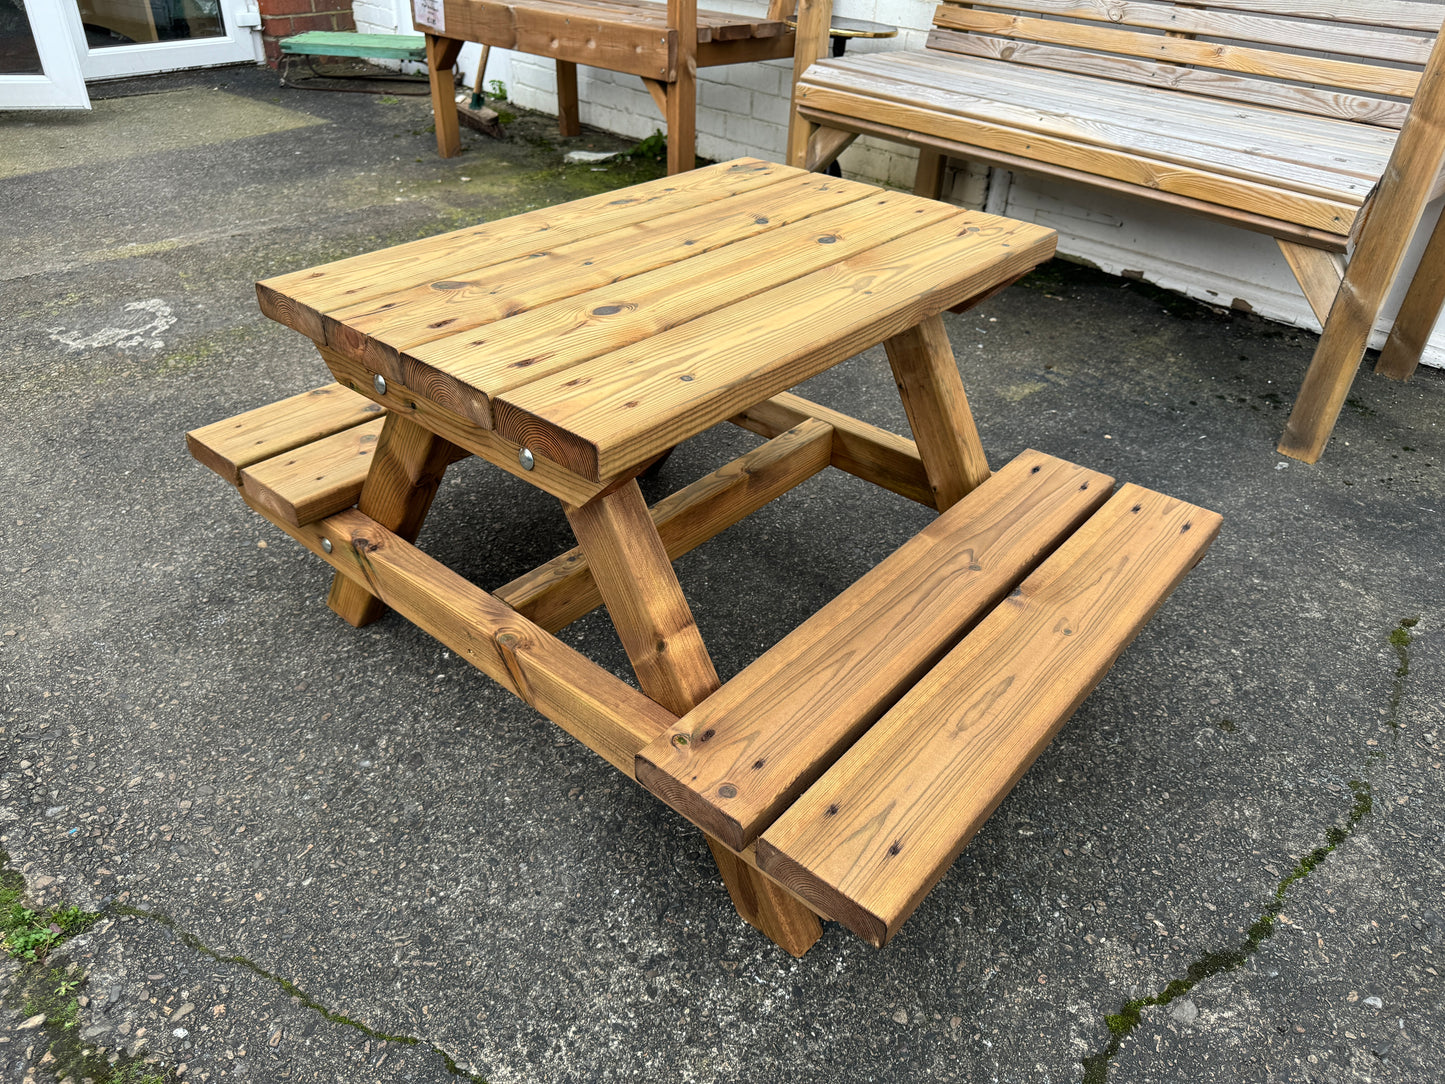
1345 74
1311 212
1205 21
468 298
229 446
1278 159
737 760
1316 140
298 299
350 43
316 479
491 360
878 830
1224 86
600 417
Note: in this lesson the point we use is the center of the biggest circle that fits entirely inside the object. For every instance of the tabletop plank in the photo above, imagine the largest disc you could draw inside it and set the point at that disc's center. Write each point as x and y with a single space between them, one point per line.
299 299
406 317
601 416
490 361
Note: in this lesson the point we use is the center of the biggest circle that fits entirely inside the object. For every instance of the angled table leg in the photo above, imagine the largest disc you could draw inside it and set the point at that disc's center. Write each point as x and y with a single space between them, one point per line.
653 620
406 469
937 408
441 54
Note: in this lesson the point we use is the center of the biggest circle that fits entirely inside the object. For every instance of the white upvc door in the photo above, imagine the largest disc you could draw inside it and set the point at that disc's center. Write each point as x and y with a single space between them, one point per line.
39 68
138 37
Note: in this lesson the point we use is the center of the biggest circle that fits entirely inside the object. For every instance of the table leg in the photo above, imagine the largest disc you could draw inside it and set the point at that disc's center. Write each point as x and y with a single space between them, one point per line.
652 618
569 115
441 54
406 469
937 407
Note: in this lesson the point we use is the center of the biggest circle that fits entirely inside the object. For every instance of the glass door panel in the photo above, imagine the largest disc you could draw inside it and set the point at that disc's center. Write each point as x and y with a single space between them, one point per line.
38 66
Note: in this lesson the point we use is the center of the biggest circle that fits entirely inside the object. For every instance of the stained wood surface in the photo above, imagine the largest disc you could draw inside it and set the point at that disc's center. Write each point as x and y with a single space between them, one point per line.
601 333
231 445
316 479
735 762
877 831
564 589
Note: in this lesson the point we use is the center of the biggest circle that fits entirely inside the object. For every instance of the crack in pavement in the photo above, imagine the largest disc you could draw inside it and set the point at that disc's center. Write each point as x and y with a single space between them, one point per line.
194 943
1130 1014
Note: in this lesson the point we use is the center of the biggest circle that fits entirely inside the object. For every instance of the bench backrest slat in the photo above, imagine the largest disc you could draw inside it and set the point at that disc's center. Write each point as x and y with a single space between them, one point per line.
1383 112
1364 61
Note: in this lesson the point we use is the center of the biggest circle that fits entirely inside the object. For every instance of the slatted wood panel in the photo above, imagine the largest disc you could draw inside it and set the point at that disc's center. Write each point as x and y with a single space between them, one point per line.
1248 40
735 762
229 446
871 837
316 479
600 334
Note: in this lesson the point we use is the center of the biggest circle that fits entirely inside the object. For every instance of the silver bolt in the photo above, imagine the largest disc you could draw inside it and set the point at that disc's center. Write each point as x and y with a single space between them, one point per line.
379 382
326 544
526 458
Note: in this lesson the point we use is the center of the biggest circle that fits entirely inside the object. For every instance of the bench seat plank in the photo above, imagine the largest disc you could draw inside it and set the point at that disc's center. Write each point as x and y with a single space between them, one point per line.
870 838
317 479
1257 145
349 43
229 446
978 139
737 760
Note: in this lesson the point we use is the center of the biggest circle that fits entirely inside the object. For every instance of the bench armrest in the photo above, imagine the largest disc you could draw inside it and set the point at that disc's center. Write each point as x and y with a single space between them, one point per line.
814 18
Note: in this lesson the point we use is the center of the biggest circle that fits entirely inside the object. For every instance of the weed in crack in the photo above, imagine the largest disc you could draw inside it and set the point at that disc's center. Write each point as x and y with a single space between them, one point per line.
1130 1015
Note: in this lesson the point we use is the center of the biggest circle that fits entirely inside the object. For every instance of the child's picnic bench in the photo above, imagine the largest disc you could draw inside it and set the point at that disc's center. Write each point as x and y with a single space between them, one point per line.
843 770
1318 122
662 43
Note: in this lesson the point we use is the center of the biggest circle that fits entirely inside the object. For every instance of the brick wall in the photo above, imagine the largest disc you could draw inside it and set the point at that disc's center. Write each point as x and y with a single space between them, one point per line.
282 18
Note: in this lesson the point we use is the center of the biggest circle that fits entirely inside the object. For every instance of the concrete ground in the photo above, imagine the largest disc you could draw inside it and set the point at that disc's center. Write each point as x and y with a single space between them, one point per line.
326 854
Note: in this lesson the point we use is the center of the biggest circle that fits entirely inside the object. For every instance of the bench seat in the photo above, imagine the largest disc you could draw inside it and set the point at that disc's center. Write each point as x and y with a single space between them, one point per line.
863 751
1311 172
302 458
349 43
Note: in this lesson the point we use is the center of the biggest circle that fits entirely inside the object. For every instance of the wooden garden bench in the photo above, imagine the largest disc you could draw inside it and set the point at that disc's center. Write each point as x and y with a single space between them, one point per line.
842 771
1320 123
662 43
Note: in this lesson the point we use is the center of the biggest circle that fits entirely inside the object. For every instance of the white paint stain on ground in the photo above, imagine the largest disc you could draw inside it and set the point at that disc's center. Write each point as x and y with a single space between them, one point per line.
143 324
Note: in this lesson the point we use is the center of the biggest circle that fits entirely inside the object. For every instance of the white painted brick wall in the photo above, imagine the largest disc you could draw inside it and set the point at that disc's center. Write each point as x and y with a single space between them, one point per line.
743 110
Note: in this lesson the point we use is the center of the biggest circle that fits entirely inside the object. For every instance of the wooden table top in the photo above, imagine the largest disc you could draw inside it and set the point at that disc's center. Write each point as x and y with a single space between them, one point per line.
602 332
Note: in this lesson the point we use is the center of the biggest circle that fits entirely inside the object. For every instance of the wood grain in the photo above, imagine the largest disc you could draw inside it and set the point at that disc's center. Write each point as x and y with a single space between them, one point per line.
231 445
1318 273
1418 312
871 837
315 480
601 416
735 762
299 298
564 589
937 409
862 450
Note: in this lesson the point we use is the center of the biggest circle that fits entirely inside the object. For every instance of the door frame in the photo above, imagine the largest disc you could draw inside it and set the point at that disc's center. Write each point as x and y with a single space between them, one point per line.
60 84
240 44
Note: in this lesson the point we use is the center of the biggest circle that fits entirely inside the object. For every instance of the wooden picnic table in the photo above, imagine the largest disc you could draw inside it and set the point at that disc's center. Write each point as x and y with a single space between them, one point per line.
573 347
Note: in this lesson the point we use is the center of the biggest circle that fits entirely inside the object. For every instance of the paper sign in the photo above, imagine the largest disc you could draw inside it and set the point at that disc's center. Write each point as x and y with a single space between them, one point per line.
429 13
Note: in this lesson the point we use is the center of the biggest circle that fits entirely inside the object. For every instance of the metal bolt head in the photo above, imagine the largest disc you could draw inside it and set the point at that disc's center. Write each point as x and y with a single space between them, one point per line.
526 458
326 544
379 382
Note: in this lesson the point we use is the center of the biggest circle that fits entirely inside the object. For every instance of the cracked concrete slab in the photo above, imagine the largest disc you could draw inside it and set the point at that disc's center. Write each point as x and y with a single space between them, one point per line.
354 844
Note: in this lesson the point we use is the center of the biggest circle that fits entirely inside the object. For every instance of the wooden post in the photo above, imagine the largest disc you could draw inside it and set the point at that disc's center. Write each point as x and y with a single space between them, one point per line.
814 19
938 413
569 115
405 471
635 579
928 181
1418 312
441 54
682 91
1404 192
